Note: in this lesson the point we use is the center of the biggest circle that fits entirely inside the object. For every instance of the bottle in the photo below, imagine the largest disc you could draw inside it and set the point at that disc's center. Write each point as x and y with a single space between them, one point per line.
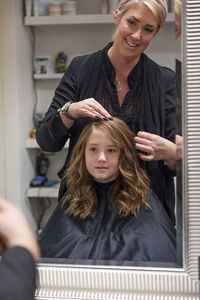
55 8
104 6
69 8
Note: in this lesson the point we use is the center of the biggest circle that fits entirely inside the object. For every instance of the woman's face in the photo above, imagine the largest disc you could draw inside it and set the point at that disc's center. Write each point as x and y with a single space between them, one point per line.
135 30
101 156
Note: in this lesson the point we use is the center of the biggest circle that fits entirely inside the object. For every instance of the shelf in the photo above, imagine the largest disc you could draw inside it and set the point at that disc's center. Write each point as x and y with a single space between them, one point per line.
32 144
48 76
43 192
76 19
67 20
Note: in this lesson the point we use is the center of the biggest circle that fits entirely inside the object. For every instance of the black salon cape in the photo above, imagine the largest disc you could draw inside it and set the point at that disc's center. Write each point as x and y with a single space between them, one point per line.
17 275
148 106
148 237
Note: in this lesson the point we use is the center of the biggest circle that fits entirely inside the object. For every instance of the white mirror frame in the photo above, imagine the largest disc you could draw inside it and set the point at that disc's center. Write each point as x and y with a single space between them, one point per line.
94 282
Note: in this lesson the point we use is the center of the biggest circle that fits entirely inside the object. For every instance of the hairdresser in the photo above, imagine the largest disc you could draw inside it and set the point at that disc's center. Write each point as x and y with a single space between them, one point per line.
120 81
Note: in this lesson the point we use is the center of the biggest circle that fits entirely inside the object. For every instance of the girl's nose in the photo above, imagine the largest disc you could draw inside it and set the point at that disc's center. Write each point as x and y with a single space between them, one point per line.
102 157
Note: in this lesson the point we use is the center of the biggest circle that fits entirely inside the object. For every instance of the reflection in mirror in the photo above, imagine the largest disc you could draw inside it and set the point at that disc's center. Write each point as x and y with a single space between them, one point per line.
105 221
179 141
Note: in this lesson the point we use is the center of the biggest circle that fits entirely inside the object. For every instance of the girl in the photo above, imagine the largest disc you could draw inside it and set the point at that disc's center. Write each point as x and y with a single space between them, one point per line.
108 212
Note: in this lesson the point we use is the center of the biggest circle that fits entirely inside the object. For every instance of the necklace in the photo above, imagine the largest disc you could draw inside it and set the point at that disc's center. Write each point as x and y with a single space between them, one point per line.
118 85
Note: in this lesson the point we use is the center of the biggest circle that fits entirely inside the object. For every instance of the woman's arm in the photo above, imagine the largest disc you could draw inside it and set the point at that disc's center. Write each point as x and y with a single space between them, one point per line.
51 133
54 130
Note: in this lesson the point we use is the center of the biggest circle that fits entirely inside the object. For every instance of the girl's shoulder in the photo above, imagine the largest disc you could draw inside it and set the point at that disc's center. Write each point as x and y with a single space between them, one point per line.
158 210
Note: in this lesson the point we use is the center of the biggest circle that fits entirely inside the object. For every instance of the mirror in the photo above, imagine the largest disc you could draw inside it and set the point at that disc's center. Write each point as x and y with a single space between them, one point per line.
120 282
155 50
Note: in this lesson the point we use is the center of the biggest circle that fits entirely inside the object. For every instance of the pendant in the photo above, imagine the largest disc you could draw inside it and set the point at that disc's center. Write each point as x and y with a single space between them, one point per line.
118 86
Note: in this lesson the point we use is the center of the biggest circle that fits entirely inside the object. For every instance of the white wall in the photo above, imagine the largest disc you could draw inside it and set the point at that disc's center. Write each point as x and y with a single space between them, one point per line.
163 47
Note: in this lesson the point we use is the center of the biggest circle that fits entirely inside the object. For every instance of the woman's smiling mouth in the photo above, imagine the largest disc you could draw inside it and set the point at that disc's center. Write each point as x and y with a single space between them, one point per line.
132 45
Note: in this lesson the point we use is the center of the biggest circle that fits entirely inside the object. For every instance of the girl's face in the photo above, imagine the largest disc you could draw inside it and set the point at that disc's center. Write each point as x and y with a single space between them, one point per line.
101 156
135 30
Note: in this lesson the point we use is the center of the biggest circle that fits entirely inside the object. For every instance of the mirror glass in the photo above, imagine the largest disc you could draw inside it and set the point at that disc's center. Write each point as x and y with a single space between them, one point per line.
179 141
165 49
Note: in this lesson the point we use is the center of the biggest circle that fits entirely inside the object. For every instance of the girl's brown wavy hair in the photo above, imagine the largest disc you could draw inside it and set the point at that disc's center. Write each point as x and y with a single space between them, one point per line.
128 193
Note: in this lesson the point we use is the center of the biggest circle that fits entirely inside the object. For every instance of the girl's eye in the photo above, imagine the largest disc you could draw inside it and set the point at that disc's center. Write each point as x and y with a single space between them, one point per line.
111 150
93 149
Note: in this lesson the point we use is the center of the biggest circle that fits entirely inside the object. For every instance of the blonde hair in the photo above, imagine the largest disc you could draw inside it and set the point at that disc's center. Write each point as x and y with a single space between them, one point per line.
153 5
127 193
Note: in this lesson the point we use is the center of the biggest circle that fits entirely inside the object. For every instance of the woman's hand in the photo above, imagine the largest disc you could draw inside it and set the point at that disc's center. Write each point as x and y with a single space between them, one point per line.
85 108
88 108
155 147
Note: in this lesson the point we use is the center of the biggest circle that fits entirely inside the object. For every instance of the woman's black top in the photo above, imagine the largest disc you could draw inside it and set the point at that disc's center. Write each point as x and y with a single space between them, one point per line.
148 106
150 236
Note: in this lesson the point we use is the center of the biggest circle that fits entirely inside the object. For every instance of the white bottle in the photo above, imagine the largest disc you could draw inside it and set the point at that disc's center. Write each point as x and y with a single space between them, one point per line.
113 4
104 6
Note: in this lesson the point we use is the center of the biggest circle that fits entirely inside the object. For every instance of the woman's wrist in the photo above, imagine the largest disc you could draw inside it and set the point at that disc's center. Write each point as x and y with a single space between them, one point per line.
170 149
66 121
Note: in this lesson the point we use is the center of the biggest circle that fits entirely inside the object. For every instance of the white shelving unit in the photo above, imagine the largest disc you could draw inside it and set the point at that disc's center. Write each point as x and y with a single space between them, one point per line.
67 20
31 144
48 76
43 192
